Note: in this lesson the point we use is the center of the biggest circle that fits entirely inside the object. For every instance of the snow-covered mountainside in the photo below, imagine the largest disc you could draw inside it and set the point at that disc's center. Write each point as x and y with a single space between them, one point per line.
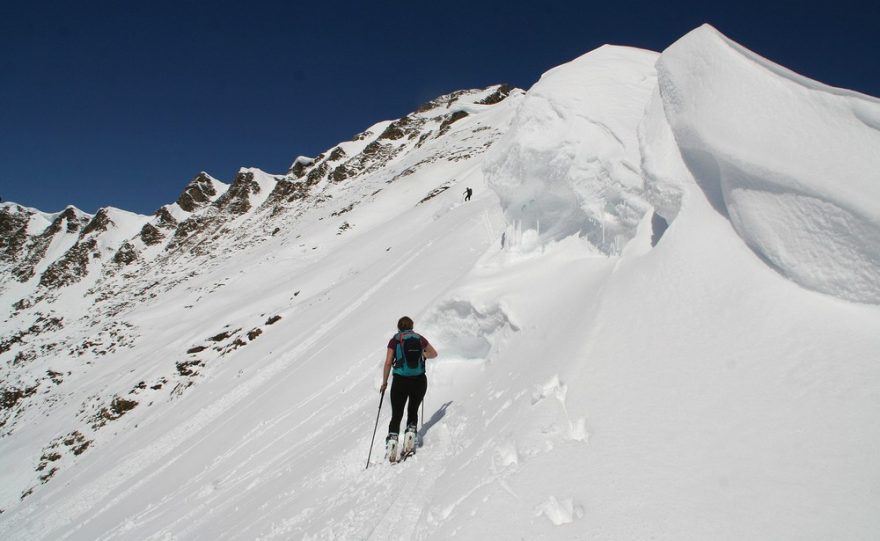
658 317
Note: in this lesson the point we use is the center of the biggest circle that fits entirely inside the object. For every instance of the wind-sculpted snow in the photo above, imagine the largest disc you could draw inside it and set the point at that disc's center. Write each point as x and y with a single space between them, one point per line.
794 164
466 331
569 163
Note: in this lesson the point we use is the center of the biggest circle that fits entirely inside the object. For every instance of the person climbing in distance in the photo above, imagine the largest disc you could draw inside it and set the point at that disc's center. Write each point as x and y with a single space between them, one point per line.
468 193
405 358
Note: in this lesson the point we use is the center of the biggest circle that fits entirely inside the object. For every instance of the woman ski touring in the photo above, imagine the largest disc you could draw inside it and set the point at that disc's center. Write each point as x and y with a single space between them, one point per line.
405 358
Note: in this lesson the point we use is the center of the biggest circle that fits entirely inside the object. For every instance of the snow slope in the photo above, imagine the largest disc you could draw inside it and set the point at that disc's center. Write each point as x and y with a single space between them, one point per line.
672 383
800 179
570 163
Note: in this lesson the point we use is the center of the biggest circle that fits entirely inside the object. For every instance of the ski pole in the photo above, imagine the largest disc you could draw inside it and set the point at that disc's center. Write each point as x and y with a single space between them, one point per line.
381 399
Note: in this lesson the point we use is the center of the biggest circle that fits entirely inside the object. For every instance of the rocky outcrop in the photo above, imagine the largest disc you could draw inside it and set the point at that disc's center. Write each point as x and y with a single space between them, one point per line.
236 200
67 221
165 219
375 155
316 174
401 128
151 235
99 223
13 232
74 222
498 96
336 155
340 173
126 255
449 121
301 165
71 267
188 230
444 101
287 191
198 193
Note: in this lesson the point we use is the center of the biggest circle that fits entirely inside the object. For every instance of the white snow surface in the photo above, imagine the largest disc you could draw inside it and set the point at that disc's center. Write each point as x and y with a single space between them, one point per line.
793 163
599 377
570 161
305 160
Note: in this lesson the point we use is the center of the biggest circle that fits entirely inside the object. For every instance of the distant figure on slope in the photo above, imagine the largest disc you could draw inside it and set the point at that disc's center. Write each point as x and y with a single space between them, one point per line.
405 357
468 193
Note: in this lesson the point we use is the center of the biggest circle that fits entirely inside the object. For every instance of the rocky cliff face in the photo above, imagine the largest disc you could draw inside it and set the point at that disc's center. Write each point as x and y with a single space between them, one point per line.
25 243
68 280
198 193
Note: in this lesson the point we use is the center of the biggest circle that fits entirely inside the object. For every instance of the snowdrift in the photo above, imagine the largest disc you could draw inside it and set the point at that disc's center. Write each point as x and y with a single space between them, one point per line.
569 163
793 163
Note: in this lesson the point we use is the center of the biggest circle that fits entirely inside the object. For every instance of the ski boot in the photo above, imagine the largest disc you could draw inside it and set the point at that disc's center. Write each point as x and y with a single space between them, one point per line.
391 448
409 442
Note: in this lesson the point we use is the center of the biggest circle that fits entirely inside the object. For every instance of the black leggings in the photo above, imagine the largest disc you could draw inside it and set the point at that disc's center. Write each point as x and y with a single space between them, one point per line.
403 388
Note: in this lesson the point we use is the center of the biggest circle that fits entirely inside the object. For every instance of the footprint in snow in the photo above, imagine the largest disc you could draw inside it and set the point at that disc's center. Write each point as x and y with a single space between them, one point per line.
554 387
559 512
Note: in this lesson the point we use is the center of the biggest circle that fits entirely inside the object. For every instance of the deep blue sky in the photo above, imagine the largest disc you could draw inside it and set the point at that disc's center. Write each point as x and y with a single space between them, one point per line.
120 103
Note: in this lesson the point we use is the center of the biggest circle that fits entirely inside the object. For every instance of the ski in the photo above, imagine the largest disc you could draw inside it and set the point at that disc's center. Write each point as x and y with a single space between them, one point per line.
409 444
391 449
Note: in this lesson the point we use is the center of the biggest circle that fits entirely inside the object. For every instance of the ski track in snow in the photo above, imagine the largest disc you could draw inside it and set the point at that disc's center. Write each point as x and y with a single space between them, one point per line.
110 482
248 470
238 471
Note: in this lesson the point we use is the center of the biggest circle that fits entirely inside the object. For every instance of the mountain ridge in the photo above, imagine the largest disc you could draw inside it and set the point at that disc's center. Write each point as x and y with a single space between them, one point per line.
115 261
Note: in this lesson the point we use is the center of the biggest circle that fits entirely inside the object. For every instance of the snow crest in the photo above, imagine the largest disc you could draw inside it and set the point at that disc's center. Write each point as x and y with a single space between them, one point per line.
792 163
569 163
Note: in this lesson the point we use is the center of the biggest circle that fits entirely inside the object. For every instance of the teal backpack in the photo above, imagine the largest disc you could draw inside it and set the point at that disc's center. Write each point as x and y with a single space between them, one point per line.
409 357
